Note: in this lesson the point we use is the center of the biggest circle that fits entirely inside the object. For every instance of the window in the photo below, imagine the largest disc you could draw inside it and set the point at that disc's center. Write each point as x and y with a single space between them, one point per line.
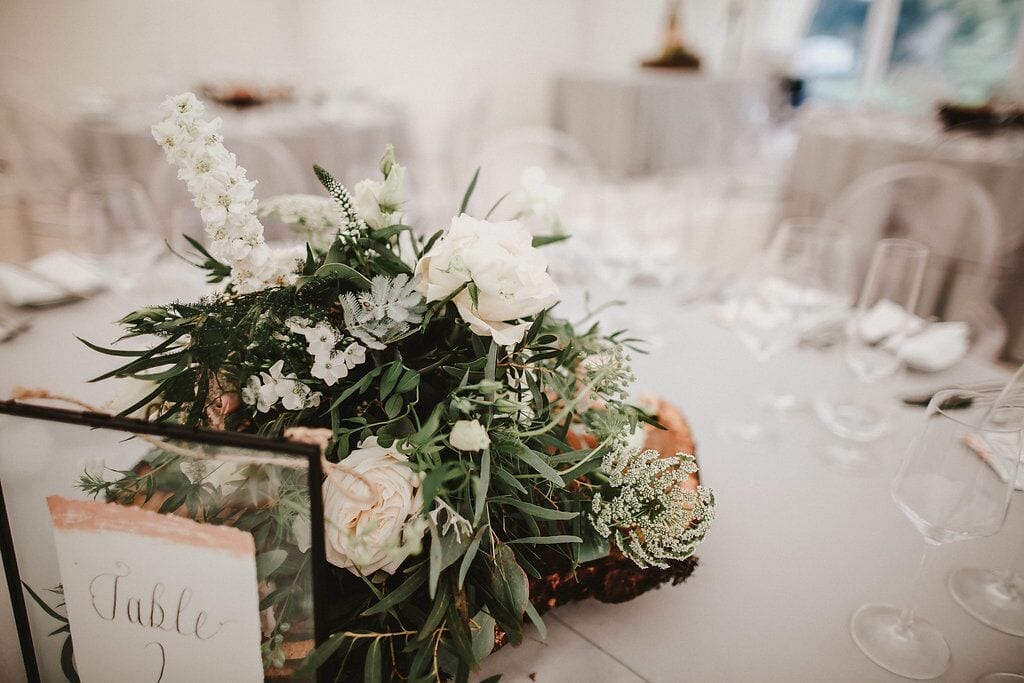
965 45
950 49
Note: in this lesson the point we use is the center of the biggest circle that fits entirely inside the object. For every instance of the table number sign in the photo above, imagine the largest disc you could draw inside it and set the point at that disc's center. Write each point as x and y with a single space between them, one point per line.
153 597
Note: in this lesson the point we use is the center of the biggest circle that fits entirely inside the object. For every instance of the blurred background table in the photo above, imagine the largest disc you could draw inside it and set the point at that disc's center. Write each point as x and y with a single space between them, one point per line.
276 142
644 121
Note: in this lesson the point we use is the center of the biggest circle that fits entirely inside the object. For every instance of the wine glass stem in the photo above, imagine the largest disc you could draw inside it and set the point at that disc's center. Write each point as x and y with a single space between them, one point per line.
908 612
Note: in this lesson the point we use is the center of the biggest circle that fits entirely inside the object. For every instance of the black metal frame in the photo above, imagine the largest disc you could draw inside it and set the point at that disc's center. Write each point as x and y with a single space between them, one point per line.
280 446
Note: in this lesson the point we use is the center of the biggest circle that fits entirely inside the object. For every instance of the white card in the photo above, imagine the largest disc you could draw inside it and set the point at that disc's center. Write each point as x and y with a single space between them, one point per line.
154 597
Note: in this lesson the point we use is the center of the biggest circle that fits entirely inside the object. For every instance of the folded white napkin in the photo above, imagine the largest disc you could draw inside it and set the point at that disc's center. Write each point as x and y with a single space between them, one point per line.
49 279
888 320
938 347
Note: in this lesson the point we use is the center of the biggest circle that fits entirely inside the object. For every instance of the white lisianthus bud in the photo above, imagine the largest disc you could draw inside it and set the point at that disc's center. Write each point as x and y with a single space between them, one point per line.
469 435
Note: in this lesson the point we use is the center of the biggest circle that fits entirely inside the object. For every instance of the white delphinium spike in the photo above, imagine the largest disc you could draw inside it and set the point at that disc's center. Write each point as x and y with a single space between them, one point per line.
223 195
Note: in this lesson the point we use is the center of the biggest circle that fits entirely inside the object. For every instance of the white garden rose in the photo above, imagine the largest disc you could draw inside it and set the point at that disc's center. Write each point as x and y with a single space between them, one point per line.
469 435
372 506
510 275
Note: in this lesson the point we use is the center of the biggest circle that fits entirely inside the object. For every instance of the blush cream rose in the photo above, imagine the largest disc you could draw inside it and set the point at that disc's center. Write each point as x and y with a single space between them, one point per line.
372 506
509 273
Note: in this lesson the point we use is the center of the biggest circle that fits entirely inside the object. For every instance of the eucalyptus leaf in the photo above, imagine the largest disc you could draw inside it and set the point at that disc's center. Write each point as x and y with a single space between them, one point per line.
536 461
546 540
373 671
469 191
483 635
509 581
467 558
269 562
340 271
542 628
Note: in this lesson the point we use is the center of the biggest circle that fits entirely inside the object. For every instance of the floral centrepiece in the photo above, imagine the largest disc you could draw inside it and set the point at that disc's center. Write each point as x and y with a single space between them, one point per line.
449 398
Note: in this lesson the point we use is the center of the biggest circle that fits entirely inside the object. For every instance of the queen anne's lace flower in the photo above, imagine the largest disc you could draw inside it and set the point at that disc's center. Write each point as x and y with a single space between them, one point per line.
385 313
223 195
653 517
608 373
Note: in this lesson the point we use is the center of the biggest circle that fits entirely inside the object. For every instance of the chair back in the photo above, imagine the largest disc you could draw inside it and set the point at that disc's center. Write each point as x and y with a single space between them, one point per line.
950 213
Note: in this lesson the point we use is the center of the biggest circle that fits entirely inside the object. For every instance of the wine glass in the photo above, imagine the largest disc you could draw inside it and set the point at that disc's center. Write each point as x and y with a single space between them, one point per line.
883 316
996 597
803 275
948 489
112 223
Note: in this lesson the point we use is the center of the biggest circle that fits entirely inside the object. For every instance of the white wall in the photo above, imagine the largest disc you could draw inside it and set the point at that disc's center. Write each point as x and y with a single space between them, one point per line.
52 49
444 56
438 56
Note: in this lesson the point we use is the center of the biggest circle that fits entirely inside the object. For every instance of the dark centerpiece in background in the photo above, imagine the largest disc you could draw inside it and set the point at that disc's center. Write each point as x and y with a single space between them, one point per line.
674 53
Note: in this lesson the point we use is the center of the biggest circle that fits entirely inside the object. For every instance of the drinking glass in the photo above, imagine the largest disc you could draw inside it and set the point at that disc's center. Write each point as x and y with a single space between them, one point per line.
802 276
112 223
883 316
949 490
992 596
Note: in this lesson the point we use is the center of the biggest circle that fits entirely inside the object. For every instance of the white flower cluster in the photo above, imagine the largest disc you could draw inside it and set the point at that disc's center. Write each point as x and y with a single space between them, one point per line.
329 364
385 313
608 373
316 219
223 195
267 388
654 517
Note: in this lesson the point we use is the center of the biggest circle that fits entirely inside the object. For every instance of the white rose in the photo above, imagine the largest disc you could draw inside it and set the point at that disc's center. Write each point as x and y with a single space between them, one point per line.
509 273
371 500
469 435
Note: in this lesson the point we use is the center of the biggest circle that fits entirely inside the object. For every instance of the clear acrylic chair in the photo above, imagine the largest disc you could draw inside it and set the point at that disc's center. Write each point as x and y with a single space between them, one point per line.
950 213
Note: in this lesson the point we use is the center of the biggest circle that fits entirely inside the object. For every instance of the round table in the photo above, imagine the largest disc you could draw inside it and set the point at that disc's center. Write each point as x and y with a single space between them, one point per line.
644 121
796 547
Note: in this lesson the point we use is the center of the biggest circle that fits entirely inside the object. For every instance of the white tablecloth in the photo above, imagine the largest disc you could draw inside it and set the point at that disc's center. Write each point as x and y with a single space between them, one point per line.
647 121
346 137
796 548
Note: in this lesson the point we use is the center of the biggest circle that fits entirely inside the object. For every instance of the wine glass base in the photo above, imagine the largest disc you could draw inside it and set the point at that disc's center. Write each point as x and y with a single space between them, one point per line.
984 595
848 457
916 651
744 432
852 421
780 403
